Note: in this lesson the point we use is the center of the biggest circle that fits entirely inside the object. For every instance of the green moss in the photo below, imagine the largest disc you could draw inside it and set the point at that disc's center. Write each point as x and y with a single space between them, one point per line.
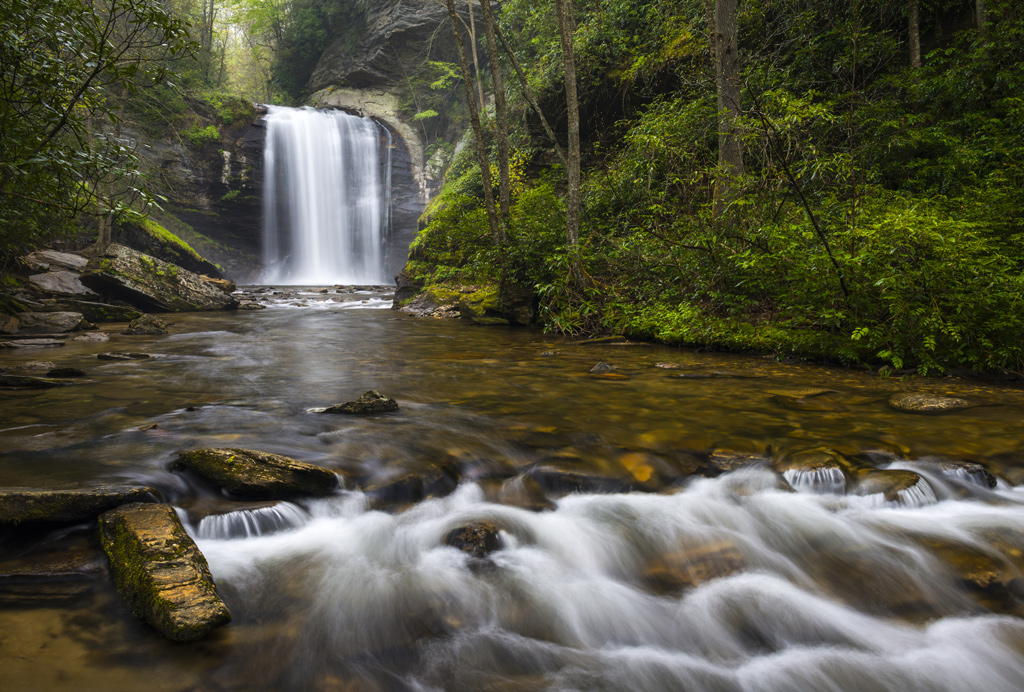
161 233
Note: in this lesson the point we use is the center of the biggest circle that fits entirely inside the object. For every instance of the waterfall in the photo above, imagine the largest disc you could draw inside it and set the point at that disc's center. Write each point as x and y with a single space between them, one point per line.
326 198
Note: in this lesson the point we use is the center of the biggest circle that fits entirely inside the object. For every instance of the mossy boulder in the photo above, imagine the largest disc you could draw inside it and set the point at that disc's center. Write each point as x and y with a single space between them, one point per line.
370 402
252 475
160 573
40 506
151 284
156 240
482 306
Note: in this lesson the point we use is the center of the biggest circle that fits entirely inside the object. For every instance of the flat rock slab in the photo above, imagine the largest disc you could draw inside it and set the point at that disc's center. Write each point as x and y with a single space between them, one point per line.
253 475
152 284
38 506
370 402
62 283
31 343
96 312
49 322
911 402
54 258
27 382
160 573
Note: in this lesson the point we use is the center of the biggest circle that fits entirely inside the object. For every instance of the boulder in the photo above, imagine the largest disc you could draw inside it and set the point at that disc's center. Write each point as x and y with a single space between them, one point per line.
66 372
37 506
482 306
152 284
433 480
896 487
95 312
93 337
477 539
60 260
691 566
370 402
122 355
602 368
50 322
146 325
407 287
36 365
226 285
26 382
251 305
518 303
61 283
160 573
253 475
913 402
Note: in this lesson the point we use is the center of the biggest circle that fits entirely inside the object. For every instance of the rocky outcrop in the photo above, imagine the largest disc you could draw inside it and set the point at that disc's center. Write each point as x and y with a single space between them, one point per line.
54 260
160 573
370 402
50 322
151 238
146 325
38 506
152 284
253 475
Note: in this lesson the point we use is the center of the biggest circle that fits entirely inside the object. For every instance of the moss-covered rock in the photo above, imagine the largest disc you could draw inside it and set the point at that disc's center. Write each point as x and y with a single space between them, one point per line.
152 284
153 238
370 402
39 506
253 475
482 306
160 573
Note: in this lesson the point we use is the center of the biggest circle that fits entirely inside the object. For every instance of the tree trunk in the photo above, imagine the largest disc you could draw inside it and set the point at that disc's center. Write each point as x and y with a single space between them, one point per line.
529 95
914 30
981 16
472 44
727 73
500 112
474 118
566 28
709 10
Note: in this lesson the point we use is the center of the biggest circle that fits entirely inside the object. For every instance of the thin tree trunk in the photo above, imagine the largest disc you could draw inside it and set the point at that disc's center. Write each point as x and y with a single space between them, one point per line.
500 112
914 30
981 16
727 73
476 60
474 118
566 28
709 10
529 95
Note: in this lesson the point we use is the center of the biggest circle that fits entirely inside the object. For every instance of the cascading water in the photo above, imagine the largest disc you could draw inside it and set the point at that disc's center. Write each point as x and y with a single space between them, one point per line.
326 198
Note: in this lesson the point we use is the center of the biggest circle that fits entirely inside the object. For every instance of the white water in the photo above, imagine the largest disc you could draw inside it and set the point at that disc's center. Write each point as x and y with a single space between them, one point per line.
247 523
326 198
818 604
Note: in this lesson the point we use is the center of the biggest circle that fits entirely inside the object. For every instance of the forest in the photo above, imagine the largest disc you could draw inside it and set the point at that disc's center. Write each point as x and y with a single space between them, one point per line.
838 181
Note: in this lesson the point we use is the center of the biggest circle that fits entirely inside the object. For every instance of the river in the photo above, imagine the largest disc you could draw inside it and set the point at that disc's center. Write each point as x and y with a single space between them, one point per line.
681 561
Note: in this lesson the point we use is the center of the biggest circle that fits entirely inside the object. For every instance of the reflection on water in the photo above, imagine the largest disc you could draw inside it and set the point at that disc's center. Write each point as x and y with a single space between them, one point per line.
860 580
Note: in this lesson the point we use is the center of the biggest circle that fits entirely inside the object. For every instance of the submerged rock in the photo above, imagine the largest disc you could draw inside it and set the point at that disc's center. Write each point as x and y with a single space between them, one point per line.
160 573
66 372
477 539
911 402
255 475
31 343
146 325
370 402
152 284
602 368
36 365
27 382
692 566
122 355
38 506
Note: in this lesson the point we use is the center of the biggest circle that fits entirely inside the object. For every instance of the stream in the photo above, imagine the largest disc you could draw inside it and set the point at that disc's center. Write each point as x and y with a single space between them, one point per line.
686 521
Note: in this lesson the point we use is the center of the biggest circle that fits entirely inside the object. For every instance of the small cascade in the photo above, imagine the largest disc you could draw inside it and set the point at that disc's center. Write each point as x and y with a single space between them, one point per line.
326 198
822 480
247 523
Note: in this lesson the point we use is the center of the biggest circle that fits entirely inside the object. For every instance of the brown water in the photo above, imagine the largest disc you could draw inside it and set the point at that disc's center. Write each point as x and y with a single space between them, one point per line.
360 595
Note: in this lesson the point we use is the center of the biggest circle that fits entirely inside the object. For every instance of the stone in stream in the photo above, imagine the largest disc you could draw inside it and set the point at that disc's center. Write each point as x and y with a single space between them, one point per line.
160 573
602 368
31 343
251 305
149 283
370 402
39 506
51 322
146 325
433 480
36 365
896 487
477 539
966 471
692 566
255 475
64 574
66 372
122 355
913 402
27 382
93 337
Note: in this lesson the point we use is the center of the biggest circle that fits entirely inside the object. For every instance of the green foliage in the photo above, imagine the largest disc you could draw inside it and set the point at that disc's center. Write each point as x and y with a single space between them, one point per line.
201 136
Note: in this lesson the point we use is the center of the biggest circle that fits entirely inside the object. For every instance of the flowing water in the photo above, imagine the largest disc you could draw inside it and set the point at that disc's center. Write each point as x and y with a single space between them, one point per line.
326 197
720 532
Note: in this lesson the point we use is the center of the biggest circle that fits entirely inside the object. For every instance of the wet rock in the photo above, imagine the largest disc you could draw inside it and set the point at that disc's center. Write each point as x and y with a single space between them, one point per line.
122 355
984 572
62 283
160 573
43 579
414 486
36 365
602 368
94 337
912 402
523 492
9 324
94 312
967 471
251 305
226 285
50 259
692 566
559 481
482 306
50 322
146 325
370 402
38 506
727 460
896 487
31 343
66 372
152 284
679 366
477 539
255 475
27 382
